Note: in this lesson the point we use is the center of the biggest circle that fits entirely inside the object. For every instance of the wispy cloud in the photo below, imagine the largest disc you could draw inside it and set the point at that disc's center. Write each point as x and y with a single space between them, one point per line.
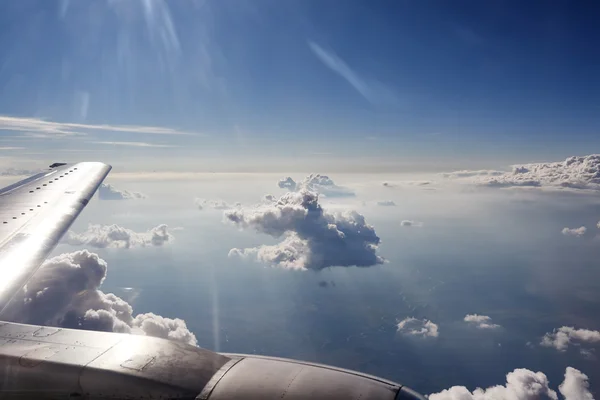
134 144
42 128
375 92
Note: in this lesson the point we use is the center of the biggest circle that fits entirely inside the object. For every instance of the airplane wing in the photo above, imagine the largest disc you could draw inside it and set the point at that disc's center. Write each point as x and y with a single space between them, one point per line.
34 215
56 363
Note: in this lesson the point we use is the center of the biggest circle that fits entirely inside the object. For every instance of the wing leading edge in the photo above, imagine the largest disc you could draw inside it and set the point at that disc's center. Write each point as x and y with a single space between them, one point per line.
34 215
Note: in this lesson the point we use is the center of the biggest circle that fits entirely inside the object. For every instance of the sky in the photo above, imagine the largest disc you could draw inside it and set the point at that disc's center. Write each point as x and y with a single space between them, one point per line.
397 86
408 189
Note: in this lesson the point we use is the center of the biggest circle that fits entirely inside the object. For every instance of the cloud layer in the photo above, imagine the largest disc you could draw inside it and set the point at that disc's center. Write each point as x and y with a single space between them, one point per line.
109 192
312 238
317 183
115 236
19 172
214 204
386 203
574 172
417 327
564 336
523 384
480 321
41 128
136 144
65 292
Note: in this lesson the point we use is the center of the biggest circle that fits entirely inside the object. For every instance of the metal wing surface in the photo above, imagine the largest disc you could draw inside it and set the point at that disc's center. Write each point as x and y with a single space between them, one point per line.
35 213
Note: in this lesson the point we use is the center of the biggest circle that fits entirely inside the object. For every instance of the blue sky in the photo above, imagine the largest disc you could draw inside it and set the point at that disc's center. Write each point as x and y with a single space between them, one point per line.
425 81
331 86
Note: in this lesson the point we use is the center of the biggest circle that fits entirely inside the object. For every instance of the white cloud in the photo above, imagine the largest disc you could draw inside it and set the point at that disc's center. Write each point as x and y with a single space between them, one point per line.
109 192
575 386
65 292
317 183
562 337
313 238
523 384
408 223
575 173
386 203
19 172
574 231
373 91
417 327
588 354
42 128
480 321
287 183
115 236
136 144
391 185
215 204
468 174
166 328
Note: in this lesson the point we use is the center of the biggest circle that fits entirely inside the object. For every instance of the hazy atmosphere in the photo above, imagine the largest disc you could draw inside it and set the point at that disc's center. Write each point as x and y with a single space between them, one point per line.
407 189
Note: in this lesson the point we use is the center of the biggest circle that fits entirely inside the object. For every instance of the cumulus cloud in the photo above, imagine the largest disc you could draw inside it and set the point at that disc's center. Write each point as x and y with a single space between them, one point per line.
562 337
417 327
317 183
115 236
287 183
408 223
214 204
521 384
575 173
65 293
578 232
575 386
386 203
312 238
109 192
524 384
480 321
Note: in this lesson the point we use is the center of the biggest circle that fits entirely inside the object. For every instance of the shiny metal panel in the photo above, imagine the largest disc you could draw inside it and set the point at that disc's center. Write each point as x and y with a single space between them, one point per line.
143 367
407 393
267 378
347 371
100 365
209 387
35 213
